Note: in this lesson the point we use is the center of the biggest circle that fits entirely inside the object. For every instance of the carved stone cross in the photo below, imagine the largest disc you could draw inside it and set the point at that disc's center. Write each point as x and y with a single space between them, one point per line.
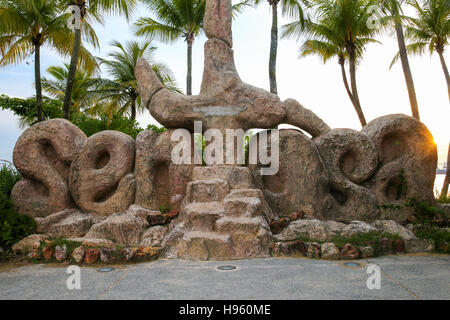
225 101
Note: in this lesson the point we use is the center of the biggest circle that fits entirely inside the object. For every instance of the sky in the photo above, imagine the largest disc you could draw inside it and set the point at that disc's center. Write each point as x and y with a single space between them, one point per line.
315 85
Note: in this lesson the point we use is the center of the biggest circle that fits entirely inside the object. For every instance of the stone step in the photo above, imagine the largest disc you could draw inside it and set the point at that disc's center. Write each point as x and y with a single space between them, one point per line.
240 193
208 246
207 190
202 216
248 225
236 176
243 206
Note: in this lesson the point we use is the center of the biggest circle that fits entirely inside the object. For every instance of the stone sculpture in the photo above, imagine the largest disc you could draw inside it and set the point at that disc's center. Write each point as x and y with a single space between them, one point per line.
110 189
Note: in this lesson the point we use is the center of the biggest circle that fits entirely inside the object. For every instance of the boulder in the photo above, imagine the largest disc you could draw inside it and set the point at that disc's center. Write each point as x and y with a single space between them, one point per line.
101 179
418 245
349 252
60 253
91 256
407 162
330 251
154 236
42 155
290 248
301 183
47 252
367 252
28 243
67 224
392 227
278 225
351 159
124 228
313 250
107 255
78 254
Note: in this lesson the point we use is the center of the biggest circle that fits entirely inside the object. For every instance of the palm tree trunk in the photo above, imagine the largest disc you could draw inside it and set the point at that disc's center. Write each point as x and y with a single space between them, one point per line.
72 72
344 78
189 68
407 70
356 103
133 109
444 68
37 80
273 49
444 190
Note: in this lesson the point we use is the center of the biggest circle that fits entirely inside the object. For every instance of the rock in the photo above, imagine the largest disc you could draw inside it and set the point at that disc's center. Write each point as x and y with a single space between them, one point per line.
78 254
28 243
42 155
107 255
90 242
330 251
173 214
47 252
367 252
61 253
147 253
290 248
91 256
154 236
67 224
418 245
157 218
111 189
278 225
301 183
312 250
392 227
124 228
349 252
355 227
351 158
312 229
218 21
35 252
386 245
407 162
399 246
159 181
296 215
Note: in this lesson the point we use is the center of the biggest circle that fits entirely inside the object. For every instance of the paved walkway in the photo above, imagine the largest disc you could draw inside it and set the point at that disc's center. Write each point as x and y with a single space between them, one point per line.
402 277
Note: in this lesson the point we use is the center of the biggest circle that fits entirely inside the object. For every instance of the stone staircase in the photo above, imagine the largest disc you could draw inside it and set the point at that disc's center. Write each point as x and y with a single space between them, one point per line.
222 217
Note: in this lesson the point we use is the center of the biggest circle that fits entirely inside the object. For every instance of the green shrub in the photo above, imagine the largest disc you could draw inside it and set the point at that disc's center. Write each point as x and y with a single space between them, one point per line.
70 245
8 178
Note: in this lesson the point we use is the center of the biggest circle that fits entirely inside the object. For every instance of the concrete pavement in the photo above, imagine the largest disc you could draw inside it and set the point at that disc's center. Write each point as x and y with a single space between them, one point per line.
402 277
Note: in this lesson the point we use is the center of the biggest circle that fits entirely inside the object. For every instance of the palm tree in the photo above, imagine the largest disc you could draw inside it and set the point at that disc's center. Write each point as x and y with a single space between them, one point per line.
28 25
341 31
393 10
290 9
175 19
91 9
122 92
430 30
86 90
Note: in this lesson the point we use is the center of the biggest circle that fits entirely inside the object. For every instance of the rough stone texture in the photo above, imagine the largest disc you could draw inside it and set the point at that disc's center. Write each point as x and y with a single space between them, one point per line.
418 245
101 179
408 158
60 253
351 158
349 252
47 253
217 22
313 250
89 242
278 225
26 244
124 228
69 223
154 236
159 182
392 227
367 252
43 154
78 254
289 248
224 100
301 183
322 230
330 251
91 256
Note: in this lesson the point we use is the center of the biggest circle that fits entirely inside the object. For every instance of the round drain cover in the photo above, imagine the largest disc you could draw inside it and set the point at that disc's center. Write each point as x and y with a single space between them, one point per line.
352 264
105 269
226 268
